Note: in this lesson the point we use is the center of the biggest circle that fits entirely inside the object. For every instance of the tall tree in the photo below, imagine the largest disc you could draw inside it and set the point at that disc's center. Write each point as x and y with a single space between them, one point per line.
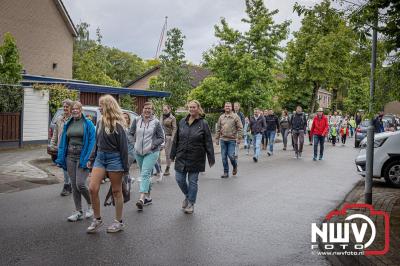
243 61
124 66
174 75
318 56
10 73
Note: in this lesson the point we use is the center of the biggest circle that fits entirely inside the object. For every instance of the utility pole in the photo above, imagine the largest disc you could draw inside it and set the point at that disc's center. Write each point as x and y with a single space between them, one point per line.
161 41
371 129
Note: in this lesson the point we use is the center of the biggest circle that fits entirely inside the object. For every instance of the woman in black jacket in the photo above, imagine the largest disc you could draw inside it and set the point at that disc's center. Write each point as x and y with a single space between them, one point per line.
191 143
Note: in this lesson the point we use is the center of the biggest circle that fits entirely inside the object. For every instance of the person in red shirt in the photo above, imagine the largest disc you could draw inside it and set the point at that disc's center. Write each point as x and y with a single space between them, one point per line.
319 130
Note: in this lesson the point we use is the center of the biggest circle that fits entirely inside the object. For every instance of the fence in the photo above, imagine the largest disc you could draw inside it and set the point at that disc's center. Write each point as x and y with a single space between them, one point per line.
10 127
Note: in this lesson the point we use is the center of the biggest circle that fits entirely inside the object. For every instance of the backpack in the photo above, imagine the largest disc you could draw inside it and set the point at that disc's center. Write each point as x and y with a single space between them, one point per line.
303 121
126 191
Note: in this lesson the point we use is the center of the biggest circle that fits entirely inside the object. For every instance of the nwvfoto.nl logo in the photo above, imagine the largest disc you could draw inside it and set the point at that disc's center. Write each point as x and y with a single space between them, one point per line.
336 235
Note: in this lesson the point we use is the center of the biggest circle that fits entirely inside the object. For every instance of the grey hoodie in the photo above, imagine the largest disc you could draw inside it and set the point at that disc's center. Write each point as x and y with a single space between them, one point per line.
147 137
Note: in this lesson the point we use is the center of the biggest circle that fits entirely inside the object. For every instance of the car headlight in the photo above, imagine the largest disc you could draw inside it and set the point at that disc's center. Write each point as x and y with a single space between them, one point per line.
377 143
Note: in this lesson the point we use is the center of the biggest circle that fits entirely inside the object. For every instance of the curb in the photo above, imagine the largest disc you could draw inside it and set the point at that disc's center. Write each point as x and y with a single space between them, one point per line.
51 178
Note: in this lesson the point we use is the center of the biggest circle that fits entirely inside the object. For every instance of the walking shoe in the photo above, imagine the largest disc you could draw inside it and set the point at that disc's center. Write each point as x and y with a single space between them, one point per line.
296 156
139 205
321 158
234 171
66 190
255 159
76 216
225 175
166 173
147 201
300 155
185 203
189 209
89 213
284 148
115 227
159 177
269 153
314 158
94 226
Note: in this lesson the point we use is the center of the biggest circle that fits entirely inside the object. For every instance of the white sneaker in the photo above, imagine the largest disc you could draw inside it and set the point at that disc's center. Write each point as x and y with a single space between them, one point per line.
116 226
89 213
76 216
160 177
94 226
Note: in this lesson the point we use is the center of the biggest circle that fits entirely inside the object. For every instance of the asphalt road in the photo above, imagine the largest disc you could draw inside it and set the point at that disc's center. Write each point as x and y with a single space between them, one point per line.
261 217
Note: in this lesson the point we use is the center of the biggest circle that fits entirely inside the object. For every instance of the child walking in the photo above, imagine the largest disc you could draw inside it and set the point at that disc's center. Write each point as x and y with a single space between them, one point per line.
344 132
333 133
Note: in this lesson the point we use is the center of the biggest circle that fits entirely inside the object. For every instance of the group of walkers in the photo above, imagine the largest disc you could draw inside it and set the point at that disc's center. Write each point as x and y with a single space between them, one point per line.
110 149
86 151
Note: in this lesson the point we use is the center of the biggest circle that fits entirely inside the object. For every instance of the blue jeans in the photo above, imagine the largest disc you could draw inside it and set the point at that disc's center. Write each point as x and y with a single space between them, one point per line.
146 164
189 186
320 140
271 139
67 180
285 132
228 150
257 144
110 161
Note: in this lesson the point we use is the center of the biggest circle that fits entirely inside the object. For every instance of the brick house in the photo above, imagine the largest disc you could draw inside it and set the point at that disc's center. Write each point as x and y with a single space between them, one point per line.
197 75
44 33
324 98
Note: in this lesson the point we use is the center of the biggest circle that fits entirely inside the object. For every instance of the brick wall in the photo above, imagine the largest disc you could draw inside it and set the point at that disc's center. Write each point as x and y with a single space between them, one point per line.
144 83
41 34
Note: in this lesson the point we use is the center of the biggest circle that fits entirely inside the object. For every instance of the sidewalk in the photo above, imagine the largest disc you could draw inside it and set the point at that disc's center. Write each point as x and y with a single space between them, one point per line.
386 199
26 168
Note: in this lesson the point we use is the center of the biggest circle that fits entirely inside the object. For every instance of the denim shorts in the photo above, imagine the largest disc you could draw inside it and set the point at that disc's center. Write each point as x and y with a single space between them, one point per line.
110 161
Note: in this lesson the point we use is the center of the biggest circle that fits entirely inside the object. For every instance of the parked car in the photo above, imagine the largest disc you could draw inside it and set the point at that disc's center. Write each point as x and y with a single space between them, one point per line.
386 157
91 112
361 132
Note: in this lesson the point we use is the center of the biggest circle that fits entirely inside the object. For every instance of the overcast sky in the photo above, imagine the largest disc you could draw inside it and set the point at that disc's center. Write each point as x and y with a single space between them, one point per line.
135 25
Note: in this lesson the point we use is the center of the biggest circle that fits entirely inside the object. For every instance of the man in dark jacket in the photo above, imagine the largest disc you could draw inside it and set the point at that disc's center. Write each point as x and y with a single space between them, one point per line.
299 125
257 127
358 119
272 122
378 123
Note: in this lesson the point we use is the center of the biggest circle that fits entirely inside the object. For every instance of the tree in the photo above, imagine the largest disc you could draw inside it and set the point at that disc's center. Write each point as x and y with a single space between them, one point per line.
318 56
10 73
362 17
211 92
92 67
174 75
243 62
123 66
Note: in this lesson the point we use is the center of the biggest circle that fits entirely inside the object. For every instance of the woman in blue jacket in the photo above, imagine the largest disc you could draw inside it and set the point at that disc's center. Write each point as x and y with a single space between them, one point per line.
77 142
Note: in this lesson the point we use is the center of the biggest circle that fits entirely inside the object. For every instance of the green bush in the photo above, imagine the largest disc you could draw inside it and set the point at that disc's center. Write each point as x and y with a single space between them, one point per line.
57 93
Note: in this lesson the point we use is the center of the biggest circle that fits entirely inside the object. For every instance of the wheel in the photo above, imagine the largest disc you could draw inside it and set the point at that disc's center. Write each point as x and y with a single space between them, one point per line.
392 173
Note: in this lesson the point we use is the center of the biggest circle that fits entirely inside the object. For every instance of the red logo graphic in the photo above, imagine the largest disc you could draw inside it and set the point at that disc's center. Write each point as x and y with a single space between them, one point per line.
372 212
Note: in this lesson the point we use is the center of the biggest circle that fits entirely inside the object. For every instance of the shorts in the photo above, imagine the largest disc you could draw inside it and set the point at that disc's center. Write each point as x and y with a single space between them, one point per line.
110 161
